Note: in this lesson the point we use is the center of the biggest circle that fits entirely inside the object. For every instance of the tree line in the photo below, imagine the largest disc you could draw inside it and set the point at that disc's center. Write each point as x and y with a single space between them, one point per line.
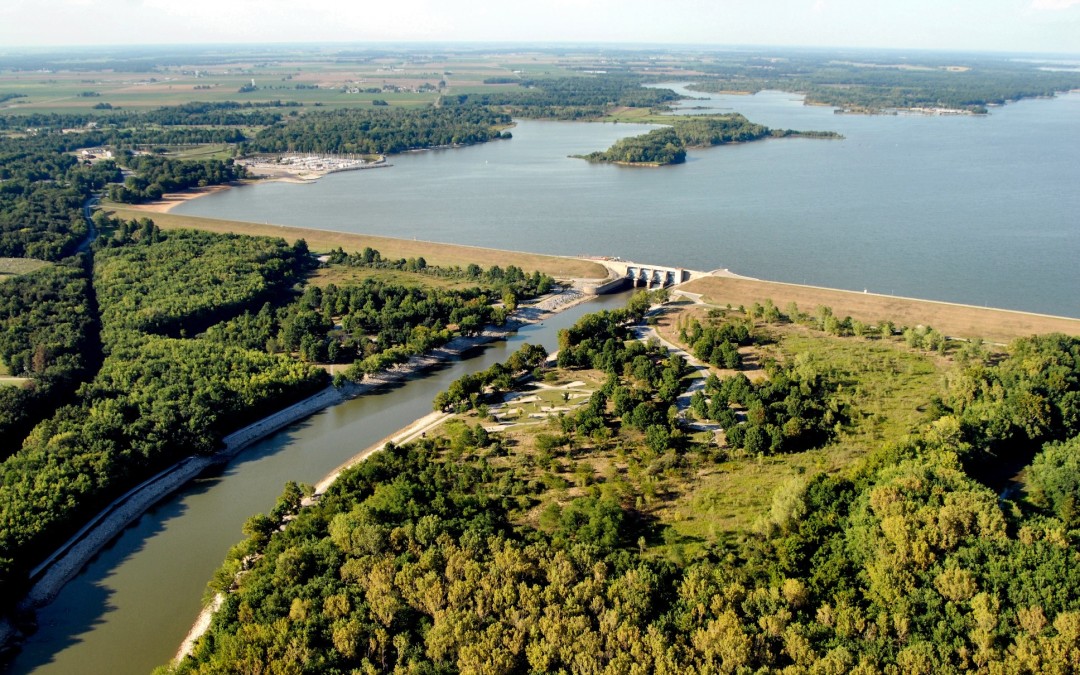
513 279
380 130
668 144
154 176
573 97
968 83
49 334
424 558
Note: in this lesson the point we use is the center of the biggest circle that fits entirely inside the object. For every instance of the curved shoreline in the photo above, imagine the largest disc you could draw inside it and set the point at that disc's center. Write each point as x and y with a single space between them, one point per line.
407 433
50 576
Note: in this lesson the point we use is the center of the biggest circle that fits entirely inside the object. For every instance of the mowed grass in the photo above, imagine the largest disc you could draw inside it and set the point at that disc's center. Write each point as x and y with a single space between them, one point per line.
887 388
13 267
434 253
211 151
954 320
7 380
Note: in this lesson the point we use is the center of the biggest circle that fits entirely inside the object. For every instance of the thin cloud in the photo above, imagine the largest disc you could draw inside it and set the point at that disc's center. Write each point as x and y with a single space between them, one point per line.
1053 5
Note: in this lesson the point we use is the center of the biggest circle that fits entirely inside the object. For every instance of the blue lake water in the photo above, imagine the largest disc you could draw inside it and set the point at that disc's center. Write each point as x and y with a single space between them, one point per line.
980 210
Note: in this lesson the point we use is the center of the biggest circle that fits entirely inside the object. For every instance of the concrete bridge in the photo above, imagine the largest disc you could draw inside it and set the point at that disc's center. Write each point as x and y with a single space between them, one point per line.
642 275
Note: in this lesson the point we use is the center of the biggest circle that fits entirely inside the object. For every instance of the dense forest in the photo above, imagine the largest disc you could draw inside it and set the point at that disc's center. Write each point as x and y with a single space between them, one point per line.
668 144
171 283
49 334
967 83
155 399
429 557
381 130
154 176
574 97
42 194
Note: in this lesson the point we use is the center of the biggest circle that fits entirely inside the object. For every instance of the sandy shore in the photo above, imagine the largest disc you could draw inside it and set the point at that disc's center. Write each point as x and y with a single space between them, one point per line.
171 200
201 625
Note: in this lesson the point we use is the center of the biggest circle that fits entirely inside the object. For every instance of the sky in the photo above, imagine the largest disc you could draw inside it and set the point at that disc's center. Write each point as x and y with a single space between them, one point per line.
1051 26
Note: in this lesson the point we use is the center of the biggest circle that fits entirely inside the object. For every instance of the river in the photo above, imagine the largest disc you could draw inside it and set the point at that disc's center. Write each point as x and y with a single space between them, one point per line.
130 608
980 210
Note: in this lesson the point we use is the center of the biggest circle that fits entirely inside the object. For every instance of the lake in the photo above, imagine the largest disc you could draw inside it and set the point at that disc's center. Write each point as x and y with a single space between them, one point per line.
980 210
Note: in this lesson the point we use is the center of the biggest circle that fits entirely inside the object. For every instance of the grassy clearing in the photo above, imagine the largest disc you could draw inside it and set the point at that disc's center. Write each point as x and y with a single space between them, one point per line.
697 501
13 267
341 275
434 253
213 151
886 386
993 325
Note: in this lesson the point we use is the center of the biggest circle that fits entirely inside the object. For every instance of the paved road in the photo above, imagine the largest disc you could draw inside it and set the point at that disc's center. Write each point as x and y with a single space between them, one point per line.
92 233
646 332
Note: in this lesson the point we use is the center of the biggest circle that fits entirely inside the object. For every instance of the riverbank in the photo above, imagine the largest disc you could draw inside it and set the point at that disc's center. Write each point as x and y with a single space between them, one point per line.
66 562
546 307
404 435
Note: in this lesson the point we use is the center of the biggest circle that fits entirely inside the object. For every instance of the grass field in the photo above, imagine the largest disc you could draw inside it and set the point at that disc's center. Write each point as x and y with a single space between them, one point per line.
313 79
696 502
887 388
13 267
342 274
992 325
434 253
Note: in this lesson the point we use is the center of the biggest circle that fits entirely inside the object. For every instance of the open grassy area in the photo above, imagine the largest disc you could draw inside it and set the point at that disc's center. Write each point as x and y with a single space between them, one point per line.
886 387
435 253
993 325
13 267
212 151
695 500
341 275
313 79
